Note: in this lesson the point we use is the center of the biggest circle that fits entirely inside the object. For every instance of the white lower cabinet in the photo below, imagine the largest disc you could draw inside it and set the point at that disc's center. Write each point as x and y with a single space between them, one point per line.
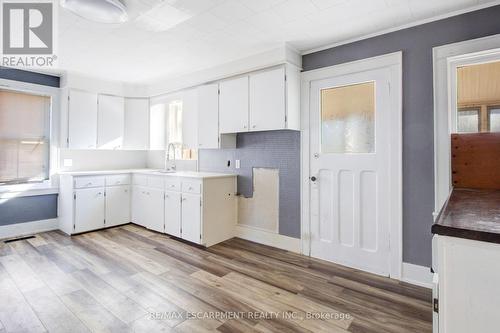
117 205
89 209
173 213
191 218
201 210
154 209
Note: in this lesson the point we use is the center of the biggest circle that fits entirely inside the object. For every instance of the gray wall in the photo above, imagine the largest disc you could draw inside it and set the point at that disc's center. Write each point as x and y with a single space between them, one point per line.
27 209
418 168
34 208
274 149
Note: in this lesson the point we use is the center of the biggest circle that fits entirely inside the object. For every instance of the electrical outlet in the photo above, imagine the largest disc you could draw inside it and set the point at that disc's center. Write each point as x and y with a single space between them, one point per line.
237 164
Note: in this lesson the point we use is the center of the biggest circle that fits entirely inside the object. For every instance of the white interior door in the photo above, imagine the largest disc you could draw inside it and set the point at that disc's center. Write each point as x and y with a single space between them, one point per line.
350 124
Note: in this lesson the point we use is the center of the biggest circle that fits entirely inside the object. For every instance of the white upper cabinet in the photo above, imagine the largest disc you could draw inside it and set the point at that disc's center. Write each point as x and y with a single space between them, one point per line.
111 122
233 105
136 135
189 118
267 100
82 122
208 116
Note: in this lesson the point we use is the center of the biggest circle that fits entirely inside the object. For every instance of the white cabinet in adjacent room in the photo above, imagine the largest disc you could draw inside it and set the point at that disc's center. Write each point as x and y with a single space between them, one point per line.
154 207
191 218
173 213
89 209
267 100
233 105
117 205
111 122
82 120
136 132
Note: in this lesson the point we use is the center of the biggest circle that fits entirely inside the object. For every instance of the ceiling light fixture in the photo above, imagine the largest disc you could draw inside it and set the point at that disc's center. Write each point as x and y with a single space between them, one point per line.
102 11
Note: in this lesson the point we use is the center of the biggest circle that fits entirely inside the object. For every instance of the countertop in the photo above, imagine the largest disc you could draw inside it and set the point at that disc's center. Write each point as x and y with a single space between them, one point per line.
151 172
471 214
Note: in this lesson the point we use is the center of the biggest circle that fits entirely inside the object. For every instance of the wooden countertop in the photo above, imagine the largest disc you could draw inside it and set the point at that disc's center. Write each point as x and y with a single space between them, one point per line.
471 214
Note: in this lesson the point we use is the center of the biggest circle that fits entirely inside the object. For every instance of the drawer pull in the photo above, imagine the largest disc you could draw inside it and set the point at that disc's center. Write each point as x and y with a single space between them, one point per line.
190 188
88 184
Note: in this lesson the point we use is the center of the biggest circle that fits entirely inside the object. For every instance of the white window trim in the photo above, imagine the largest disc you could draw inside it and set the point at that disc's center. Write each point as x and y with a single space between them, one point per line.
446 59
49 186
395 62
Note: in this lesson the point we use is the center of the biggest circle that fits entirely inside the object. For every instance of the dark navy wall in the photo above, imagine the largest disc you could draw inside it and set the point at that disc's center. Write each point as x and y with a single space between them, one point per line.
34 208
29 77
275 149
27 209
418 128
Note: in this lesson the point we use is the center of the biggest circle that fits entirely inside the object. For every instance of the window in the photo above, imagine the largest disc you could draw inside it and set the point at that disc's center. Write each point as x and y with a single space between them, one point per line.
348 119
494 119
468 121
24 137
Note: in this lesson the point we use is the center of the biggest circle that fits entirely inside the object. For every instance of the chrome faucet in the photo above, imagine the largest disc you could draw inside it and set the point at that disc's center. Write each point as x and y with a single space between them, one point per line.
167 159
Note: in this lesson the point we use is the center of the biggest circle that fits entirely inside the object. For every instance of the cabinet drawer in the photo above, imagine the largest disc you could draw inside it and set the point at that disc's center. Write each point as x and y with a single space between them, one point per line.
114 180
141 180
172 184
89 181
190 186
156 182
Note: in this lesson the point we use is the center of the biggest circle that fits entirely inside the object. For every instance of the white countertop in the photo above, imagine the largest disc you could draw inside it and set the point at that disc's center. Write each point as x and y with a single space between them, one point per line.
151 172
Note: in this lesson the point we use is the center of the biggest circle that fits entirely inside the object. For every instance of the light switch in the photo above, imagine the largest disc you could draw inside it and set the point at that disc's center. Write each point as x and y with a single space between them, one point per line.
67 162
237 164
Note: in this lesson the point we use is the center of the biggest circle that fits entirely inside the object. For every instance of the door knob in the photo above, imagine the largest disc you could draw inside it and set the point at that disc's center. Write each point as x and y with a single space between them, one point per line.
313 178
316 155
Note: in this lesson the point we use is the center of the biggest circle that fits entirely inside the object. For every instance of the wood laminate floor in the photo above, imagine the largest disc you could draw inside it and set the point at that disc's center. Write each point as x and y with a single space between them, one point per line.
128 279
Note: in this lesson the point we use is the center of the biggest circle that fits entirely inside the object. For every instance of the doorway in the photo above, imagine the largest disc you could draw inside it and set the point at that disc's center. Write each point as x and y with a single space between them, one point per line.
354 164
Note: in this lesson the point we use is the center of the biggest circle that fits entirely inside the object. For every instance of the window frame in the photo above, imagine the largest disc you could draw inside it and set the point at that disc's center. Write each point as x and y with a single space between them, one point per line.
50 185
488 115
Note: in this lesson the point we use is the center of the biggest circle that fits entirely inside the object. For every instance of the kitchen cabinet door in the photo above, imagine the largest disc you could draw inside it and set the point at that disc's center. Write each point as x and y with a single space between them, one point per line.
136 133
117 205
82 120
208 116
111 122
267 100
191 218
155 209
138 205
190 118
89 209
233 105
173 213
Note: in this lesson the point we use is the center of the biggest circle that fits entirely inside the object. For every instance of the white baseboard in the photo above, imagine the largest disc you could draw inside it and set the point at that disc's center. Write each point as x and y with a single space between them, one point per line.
28 228
418 275
268 238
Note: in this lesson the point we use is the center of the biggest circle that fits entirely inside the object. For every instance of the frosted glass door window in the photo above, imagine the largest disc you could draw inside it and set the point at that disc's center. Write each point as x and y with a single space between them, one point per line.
494 121
348 119
468 121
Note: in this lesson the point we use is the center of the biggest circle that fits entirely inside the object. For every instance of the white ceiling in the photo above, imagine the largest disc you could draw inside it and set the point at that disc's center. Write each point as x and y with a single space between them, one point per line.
219 31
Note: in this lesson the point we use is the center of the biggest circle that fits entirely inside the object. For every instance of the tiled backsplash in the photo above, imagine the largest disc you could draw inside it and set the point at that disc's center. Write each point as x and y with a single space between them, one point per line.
273 149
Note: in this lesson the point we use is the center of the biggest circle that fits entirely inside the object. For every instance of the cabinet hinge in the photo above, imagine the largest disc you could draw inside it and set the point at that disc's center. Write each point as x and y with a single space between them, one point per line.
74 196
74 226
67 140
104 193
218 91
104 221
435 305
200 236
285 77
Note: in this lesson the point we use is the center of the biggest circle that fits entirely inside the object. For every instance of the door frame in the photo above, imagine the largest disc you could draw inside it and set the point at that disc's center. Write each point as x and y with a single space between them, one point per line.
392 61
446 59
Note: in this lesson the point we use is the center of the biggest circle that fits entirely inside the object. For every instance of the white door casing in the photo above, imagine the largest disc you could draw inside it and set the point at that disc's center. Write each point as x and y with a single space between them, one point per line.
341 222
